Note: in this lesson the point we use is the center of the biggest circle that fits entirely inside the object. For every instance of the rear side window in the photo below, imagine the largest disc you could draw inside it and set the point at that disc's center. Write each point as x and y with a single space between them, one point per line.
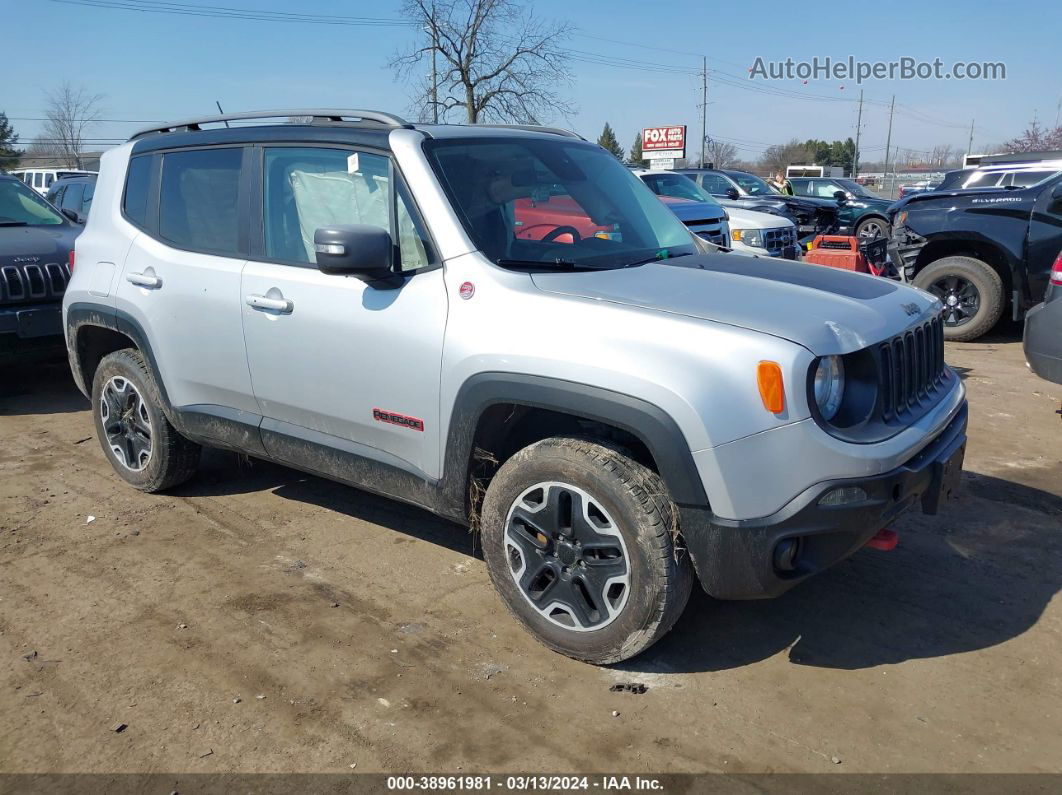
137 185
198 199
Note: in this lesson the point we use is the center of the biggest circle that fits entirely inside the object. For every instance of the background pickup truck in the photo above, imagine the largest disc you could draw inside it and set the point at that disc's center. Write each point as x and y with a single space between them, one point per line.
979 250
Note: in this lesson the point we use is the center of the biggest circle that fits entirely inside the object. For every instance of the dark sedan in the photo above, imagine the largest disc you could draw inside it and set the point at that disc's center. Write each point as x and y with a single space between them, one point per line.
36 244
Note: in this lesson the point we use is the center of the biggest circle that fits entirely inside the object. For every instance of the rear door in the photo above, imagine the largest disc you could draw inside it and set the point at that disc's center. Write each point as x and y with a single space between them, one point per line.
181 277
342 365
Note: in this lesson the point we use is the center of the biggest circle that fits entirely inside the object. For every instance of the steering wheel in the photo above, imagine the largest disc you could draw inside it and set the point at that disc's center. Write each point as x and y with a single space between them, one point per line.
562 230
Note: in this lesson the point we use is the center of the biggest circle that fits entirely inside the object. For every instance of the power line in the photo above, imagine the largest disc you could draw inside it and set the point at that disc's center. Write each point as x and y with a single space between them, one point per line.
229 12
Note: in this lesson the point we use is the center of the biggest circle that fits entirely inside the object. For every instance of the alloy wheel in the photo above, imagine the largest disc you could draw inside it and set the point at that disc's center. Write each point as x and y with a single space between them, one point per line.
871 230
567 556
126 423
960 297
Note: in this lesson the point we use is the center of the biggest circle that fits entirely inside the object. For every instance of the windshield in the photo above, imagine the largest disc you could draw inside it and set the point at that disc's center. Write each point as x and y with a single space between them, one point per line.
555 203
21 206
856 189
753 185
677 186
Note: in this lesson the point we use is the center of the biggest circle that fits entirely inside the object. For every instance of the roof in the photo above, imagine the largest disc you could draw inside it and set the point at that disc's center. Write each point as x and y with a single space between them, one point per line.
366 121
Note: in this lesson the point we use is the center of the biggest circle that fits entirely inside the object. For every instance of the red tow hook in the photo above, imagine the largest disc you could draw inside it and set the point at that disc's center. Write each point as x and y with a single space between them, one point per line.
885 540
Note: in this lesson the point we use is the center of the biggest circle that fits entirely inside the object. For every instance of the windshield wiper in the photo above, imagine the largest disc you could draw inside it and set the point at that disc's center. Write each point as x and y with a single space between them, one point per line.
660 256
566 264
13 223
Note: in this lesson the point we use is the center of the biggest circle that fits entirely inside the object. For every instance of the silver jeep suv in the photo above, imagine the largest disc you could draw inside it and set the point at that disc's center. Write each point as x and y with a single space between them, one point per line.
506 327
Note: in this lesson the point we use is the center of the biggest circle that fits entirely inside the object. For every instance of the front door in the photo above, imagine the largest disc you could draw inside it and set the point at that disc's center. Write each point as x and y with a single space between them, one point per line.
335 362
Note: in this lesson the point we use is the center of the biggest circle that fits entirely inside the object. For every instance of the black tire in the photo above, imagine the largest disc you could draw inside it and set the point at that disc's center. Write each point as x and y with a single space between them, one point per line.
964 322
633 503
864 227
170 458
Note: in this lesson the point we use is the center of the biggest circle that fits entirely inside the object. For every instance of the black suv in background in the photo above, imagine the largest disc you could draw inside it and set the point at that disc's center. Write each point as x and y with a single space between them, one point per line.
36 244
74 194
749 192
979 250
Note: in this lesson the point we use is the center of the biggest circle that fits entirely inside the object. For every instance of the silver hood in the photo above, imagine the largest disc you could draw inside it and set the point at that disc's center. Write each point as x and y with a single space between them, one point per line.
826 310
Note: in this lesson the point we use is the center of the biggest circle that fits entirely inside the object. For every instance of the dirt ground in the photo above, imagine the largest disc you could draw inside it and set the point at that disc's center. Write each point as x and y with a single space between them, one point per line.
258 619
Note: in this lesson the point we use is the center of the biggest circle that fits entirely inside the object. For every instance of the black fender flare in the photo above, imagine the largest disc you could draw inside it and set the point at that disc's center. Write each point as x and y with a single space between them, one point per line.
645 421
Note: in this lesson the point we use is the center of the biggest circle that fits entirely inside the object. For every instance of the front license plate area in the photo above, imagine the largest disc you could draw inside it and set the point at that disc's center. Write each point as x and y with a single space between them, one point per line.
947 476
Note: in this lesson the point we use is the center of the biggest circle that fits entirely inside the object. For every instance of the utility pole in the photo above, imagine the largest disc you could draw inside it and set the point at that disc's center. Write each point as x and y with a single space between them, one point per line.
704 106
859 127
888 139
434 73
969 146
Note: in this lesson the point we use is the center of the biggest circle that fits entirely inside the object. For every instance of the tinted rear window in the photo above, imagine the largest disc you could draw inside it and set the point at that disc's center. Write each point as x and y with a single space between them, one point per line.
137 184
198 200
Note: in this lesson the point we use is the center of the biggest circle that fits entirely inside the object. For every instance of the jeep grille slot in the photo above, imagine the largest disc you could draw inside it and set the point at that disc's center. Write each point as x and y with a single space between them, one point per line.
911 368
33 282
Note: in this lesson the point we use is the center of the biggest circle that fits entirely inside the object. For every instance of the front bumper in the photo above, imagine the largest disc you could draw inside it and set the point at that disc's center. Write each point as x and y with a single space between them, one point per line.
735 559
29 330
1043 340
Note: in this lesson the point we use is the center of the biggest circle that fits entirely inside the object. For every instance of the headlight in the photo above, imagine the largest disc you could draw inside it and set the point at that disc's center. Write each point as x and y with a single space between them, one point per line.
750 237
829 386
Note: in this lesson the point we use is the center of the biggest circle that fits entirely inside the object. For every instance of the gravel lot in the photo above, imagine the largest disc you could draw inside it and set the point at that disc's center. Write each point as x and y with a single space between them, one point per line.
258 619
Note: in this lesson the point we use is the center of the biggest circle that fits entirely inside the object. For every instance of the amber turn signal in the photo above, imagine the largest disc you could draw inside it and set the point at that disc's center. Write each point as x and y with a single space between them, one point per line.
772 389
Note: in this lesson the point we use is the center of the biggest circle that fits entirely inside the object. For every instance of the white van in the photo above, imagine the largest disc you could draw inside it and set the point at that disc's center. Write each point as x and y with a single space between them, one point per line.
40 179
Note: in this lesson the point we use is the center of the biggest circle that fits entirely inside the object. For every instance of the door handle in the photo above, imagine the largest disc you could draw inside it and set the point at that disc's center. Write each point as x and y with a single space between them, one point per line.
143 279
276 304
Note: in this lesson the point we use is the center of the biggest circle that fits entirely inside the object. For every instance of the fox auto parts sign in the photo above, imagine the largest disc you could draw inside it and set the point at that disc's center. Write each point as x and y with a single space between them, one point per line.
664 139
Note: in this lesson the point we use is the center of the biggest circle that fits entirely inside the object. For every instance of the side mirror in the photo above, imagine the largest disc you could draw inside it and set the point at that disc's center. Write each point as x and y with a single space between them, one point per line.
1056 192
73 215
357 250
841 196
732 193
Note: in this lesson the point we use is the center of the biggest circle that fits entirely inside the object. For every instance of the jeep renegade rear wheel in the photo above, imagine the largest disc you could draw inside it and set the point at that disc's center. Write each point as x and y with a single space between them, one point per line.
972 294
580 543
135 435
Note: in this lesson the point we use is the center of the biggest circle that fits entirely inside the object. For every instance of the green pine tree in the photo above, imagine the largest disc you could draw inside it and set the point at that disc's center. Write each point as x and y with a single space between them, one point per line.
609 142
636 153
9 156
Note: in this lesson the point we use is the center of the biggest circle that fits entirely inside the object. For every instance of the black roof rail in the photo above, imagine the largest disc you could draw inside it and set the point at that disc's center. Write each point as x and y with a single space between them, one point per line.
535 128
316 114
1020 158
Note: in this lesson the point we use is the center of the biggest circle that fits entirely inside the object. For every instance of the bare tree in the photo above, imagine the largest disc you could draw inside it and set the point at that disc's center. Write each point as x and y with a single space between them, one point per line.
776 158
71 111
941 154
492 58
720 154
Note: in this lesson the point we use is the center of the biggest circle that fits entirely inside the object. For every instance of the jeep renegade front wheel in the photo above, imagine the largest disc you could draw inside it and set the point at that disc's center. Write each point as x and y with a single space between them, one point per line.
135 435
580 542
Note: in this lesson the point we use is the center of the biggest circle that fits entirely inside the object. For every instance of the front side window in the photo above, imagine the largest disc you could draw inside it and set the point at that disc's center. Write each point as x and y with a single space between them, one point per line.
38 180
678 186
716 184
22 206
754 186
306 189
547 203
198 199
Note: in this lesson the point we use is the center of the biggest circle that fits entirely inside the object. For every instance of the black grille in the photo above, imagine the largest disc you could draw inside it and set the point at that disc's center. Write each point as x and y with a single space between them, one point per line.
33 282
912 368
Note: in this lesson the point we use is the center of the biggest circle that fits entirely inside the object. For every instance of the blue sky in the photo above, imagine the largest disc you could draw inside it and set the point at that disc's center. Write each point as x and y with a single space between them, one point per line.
162 66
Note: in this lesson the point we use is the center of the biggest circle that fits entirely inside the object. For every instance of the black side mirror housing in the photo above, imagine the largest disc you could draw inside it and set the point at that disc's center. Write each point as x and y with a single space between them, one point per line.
732 193
359 250
1056 192
73 215
841 196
